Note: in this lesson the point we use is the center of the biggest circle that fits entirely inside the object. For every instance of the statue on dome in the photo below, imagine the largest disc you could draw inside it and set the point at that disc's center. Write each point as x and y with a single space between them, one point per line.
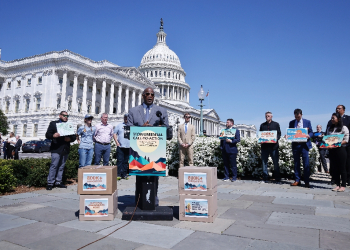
161 23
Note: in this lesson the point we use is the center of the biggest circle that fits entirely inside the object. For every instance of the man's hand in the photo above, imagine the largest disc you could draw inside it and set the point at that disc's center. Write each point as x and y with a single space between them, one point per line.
307 136
118 144
67 139
55 135
146 124
228 140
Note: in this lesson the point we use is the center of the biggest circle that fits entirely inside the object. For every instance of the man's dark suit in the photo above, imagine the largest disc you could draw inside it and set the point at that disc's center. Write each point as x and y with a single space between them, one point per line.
346 122
17 148
302 149
229 155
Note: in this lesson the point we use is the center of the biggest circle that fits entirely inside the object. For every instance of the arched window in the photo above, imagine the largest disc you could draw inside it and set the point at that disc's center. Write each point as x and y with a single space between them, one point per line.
160 73
164 73
155 73
151 73
179 77
168 74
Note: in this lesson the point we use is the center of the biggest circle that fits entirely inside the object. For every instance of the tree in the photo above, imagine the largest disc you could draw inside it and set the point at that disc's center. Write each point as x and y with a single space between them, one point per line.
4 125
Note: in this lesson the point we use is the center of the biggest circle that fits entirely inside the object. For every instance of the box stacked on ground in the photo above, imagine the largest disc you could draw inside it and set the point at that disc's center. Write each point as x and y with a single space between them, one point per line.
198 193
97 186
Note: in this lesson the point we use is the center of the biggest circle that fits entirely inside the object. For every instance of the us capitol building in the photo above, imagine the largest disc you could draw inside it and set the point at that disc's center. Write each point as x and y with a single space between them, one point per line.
33 90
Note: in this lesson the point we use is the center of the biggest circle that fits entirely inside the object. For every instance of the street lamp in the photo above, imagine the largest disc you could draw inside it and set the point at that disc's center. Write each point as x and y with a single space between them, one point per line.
201 96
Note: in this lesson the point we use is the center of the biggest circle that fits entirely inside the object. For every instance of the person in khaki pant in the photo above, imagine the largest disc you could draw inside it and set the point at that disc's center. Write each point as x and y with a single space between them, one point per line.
186 136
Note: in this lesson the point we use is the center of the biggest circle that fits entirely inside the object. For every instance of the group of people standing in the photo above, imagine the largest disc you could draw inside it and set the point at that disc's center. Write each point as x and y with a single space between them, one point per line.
11 146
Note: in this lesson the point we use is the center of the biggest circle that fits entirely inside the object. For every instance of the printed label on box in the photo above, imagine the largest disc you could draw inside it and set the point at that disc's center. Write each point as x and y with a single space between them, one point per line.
96 207
195 181
196 208
94 182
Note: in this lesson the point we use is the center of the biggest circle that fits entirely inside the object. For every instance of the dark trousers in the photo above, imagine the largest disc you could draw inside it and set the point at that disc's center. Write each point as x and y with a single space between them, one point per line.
10 148
337 157
102 151
16 154
303 151
265 152
5 153
230 159
348 164
322 159
122 161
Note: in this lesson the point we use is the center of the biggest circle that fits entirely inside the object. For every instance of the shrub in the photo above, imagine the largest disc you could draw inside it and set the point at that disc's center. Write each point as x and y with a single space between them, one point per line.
207 153
38 172
7 179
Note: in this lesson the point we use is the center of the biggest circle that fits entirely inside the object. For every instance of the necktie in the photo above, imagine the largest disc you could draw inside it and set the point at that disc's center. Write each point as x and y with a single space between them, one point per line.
147 113
185 128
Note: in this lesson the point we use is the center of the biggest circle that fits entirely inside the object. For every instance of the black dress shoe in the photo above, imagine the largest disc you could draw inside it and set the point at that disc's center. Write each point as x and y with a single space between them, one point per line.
49 187
307 185
60 185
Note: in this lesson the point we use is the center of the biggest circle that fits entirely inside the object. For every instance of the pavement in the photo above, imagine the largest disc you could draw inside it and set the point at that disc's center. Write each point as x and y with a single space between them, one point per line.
251 215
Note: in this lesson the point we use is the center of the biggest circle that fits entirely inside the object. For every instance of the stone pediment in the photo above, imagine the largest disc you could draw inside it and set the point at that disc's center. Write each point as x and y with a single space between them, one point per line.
133 74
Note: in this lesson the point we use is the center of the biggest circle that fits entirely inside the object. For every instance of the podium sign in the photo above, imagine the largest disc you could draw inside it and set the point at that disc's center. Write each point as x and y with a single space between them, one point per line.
148 151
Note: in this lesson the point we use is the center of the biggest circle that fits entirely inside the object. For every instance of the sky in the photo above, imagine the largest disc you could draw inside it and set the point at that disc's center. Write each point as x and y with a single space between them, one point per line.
252 56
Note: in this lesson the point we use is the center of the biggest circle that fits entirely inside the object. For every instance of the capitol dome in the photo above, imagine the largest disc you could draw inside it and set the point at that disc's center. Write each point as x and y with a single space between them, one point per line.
162 66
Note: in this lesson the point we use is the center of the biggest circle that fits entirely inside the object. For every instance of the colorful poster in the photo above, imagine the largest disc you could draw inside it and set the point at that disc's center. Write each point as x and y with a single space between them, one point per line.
195 181
267 136
297 134
196 208
94 181
148 151
65 128
96 207
332 141
227 134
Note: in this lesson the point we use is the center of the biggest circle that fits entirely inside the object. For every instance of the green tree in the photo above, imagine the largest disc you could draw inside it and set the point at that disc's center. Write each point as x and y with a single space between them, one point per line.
4 126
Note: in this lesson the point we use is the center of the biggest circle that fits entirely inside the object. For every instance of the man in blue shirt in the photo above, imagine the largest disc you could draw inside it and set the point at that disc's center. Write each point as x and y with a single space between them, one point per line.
123 146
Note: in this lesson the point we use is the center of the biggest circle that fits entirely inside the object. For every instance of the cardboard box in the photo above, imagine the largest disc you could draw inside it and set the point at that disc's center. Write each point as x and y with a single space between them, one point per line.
198 180
202 208
97 179
98 207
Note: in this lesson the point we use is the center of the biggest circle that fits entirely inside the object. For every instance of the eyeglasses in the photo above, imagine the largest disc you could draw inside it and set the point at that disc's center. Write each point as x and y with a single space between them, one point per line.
187 116
147 94
65 116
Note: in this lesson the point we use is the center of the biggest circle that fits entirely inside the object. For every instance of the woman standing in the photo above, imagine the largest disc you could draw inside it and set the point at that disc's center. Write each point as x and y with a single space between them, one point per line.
84 138
337 156
11 146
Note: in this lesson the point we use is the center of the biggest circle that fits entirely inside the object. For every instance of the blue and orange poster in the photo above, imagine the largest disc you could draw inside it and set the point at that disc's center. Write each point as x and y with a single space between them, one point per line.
148 151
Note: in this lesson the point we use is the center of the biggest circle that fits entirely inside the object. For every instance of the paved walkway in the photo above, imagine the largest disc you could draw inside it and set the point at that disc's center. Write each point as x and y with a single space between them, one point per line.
252 215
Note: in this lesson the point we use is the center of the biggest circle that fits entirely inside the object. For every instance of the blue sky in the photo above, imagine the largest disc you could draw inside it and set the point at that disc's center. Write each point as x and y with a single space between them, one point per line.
253 56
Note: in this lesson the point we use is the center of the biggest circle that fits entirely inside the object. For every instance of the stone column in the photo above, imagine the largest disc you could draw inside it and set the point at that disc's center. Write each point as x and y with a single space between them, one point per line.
188 96
93 97
139 97
64 91
74 95
126 106
173 96
111 98
119 107
32 98
162 91
133 98
103 97
83 105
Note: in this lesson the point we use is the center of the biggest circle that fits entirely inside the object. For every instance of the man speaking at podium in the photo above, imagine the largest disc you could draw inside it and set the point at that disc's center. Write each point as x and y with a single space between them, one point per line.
148 114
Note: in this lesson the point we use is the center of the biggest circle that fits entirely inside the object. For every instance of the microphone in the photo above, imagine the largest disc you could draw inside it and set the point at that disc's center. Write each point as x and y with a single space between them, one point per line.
159 114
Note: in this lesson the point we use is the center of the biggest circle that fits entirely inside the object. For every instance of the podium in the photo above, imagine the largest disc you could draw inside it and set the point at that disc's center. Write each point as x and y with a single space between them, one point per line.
147 161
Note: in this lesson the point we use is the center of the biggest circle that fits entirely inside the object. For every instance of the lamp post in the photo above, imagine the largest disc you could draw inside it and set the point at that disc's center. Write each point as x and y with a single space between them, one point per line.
201 96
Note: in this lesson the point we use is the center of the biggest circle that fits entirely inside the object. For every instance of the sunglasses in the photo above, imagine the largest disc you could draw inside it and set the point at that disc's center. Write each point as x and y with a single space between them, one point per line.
65 116
147 94
187 116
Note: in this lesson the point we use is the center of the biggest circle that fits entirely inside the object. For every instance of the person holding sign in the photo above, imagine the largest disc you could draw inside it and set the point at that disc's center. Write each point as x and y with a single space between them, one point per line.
59 148
337 156
186 136
317 139
85 139
270 148
301 149
229 150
